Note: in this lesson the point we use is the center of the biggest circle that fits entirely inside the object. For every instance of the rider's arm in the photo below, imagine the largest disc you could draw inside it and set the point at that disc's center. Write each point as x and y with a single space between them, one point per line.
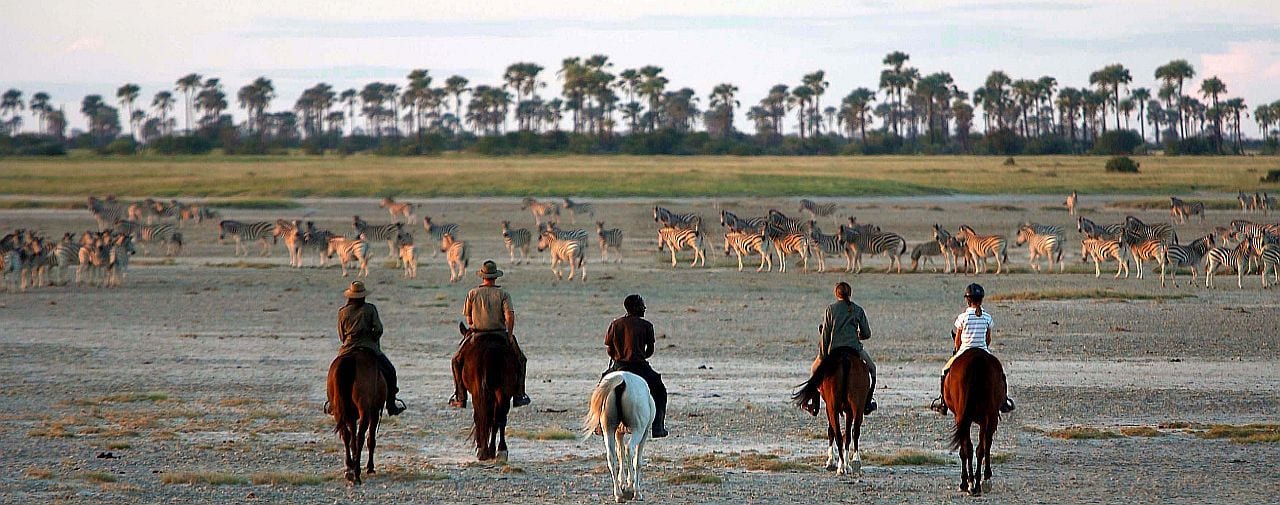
466 311
648 342
510 313
828 322
610 339
958 330
864 331
375 323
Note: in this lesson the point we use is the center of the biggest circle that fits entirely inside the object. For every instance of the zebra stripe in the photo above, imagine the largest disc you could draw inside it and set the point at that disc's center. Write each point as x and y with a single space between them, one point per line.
409 259
1101 250
825 244
542 211
118 260
107 212
1188 255
1093 230
578 234
817 210
248 232
578 208
438 231
348 250
1136 231
744 243
923 252
671 219
952 249
1180 210
979 247
868 239
791 243
164 233
1235 257
567 251
387 232
1072 200
610 239
517 238
677 239
1269 255
1153 250
734 223
786 224
456 255
1046 243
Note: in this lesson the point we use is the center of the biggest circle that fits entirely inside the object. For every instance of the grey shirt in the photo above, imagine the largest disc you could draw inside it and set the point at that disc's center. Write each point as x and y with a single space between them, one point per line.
844 325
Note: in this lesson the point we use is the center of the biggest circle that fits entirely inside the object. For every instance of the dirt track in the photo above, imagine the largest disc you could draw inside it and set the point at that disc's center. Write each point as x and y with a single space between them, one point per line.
214 364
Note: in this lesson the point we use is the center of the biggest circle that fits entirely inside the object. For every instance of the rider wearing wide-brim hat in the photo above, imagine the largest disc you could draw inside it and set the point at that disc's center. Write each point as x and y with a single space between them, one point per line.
359 327
488 310
972 330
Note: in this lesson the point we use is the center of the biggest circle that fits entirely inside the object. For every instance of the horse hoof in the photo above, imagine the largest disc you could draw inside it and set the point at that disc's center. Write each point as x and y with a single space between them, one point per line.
370 471
502 456
831 467
964 487
977 490
986 486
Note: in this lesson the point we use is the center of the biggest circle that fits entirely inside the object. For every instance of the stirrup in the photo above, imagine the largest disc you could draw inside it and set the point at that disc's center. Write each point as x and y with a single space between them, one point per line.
870 407
327 409
938 406
456 403
1008 406
521 401
396 408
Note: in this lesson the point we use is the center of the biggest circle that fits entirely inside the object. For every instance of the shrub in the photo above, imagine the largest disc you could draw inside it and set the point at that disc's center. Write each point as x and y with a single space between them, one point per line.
1193 146
171 145
1118 142
122 146
1122 164
27 144
1272 176
1002 141
1049 144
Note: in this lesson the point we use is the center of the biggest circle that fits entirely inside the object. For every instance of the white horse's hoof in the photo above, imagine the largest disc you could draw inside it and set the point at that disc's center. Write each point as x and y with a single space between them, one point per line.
986 486
842 471
502 456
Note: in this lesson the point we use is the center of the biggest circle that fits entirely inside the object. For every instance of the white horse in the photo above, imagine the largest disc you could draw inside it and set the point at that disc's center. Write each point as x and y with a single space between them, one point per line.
621 400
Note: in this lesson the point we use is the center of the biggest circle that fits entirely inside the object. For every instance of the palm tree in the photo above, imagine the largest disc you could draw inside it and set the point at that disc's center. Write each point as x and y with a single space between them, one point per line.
1236 107
935 89
1117 76
1046 85
803 95
1069 103
1126 106
963 113
1210 89
211 100
858 103
817 82
1155 115
163 103
893 80
455 86
254 99
1266 115
652 85
127 94
349 97
1141 96
1025 91
11 103
416 95
39 106
188 85
1102 79
1176 71
722 97
994 96
56 123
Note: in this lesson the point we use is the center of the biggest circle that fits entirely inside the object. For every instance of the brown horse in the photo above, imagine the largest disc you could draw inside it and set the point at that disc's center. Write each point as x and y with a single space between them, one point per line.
843 383
357 392
489 374
974 390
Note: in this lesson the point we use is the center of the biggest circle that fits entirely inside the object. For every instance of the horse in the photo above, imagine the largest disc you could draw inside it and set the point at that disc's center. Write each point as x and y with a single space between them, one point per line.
843 383
622 399
489 374
357 392
974 390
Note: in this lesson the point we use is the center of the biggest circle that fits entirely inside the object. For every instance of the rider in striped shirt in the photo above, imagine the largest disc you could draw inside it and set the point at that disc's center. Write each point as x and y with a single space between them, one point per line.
972 330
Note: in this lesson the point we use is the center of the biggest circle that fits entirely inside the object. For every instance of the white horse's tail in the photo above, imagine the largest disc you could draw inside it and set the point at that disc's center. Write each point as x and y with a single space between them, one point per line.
610 387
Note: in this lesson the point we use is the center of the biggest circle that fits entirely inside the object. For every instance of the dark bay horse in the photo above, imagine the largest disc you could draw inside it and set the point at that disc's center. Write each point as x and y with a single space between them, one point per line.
843 383
974 390
489 374
357 392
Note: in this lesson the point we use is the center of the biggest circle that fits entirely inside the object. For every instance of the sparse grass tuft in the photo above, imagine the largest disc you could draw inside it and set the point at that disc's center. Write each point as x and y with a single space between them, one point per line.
1164 203
1080 294
553 433
287 479
1140 431
1001 458
1083 433
96 477
130 397
116 446
38 473
694 478
211 478
904 457
1243 434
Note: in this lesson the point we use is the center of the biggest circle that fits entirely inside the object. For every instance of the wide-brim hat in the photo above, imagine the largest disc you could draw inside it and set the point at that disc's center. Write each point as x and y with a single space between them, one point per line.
489 270
357 290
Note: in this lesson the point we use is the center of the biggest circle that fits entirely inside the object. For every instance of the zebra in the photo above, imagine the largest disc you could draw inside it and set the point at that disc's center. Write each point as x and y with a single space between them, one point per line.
824 244
952 249
125 227
293 240
786 224
197 213
397 209
11 265
247 232
1100 250
1136 231
671 219
542 211
1072 200
516 238
1234 257
1268 202
65 256
609 239
94 260
567 251
979 247
817 210
1093 230
456 253
387 232
437 231
316 240
1269 256
1256 231
868 239
1246 202
679 238
791 243
107 212
164 233
744 243
922 253
1187 256
577 234
734 223
144 211
350 249
576 208
118 260
1039 243
1150 249
172 210
1179 210
409 258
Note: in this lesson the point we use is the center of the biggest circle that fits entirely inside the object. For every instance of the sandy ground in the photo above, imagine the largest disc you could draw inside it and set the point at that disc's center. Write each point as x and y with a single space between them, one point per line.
215 365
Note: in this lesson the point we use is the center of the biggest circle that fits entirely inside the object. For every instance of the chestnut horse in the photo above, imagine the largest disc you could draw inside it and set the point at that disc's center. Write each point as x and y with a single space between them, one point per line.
974 390
843 383
357 392
489 374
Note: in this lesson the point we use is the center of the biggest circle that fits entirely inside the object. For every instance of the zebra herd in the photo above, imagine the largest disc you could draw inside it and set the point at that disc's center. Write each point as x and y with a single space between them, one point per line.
100 258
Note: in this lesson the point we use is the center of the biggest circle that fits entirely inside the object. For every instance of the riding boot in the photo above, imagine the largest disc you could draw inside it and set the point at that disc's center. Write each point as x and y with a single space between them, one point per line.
871 401
940 405
659 392
1008 405
389 374
521 398
459 399
660 422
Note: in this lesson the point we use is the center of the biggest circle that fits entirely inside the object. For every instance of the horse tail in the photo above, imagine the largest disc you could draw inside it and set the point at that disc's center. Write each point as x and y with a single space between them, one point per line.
613 383
976 389
482 414
342 378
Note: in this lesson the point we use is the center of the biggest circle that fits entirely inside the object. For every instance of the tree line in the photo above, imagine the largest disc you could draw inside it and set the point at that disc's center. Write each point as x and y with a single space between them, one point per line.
600 109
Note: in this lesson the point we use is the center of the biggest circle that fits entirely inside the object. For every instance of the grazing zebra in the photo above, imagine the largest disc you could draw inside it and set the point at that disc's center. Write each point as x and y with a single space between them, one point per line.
1188 255
118 260
609 239
1093 230
1101 250
315 240
817 210
542 211
1269 255
952 250
791 243
734 223
979 247
868 239
1234 257
744 243
1136 231
437 231
144 211
1180 210
516 238
409 258
107 212
350 249
671 219
1040 243
456 253
824 244
398 209
293 240
1153 250
567 251
576 208
164 233
125 227
1246 202
248 232
784 223
387 232
679 238
1072 200
172 210
65 256
923 252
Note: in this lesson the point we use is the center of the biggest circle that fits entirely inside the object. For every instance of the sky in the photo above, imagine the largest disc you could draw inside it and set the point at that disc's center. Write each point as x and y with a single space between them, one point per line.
71 48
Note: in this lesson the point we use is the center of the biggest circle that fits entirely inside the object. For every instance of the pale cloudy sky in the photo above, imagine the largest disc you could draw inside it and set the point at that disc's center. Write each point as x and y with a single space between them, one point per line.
72 47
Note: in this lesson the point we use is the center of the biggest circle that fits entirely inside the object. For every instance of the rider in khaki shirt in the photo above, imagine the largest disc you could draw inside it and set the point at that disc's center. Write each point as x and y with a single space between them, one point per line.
844 324
488 310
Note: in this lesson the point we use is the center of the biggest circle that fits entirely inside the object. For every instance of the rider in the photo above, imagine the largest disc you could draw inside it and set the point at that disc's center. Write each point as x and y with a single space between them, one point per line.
488 310
360 328
845 325
630 345
972 331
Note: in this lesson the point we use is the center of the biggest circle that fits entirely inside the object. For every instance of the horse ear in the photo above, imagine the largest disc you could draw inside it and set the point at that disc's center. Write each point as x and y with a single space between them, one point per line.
462 328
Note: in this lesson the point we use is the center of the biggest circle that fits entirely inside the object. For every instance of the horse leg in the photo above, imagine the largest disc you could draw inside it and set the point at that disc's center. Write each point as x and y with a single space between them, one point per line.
613 459
345 431
986 438
833 420
638 452
358 440
831 449
857 433
966 452
373 442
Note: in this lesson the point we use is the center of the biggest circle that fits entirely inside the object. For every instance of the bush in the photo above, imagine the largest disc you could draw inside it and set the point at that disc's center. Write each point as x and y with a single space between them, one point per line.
1272 176
1193 146
1001 142
1118 142
27 144
122 146
1122 164
1049 144
171 145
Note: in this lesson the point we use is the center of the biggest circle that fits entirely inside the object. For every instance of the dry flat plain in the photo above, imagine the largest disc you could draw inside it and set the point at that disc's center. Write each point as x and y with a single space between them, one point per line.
203 377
